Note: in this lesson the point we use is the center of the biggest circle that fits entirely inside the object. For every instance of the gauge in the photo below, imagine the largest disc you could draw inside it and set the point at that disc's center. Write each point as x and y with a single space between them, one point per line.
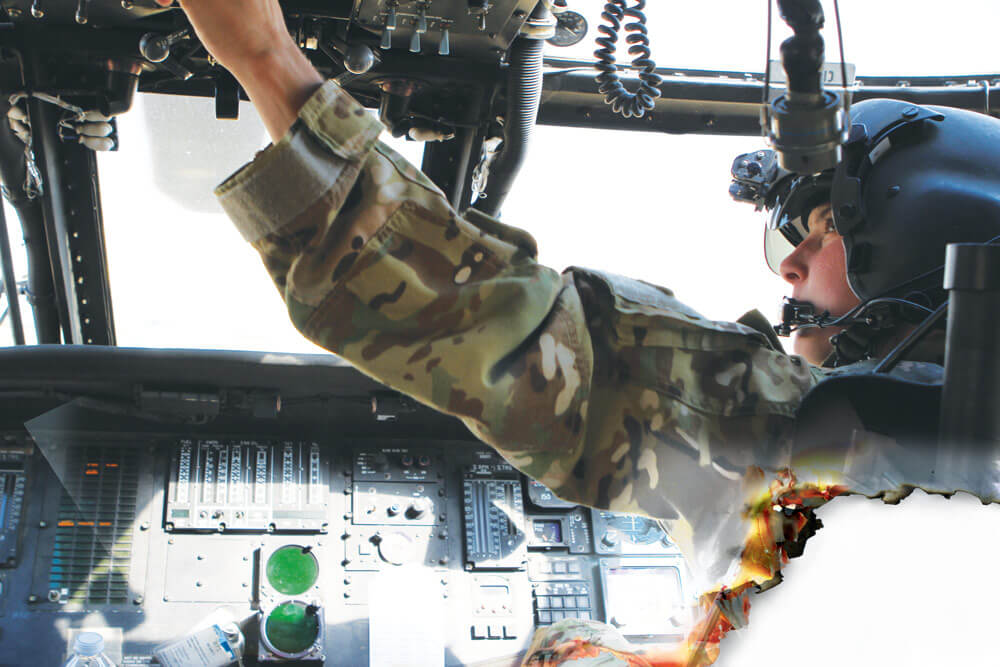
629 534
635 529
293 629
292 570
571 27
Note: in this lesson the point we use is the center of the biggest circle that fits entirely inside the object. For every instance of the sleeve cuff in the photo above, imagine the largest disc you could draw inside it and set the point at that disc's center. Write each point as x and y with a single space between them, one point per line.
287 178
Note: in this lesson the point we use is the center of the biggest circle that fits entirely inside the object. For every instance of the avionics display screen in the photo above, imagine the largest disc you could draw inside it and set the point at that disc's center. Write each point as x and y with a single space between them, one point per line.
642 600
548 531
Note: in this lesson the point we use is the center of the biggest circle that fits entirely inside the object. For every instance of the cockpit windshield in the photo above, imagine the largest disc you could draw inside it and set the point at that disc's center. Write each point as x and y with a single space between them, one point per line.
181 277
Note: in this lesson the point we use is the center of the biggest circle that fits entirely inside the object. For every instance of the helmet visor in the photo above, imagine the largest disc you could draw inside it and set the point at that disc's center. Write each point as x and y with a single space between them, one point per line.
788 219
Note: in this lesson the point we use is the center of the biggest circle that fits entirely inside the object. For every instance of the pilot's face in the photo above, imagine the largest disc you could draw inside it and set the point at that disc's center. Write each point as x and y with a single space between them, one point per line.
817 272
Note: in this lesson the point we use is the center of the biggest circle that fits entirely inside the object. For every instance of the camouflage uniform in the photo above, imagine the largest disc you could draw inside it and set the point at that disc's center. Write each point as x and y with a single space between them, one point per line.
607 390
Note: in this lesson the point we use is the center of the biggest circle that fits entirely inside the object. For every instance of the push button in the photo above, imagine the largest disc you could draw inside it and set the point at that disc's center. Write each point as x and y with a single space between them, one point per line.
479 631
509 632
495 631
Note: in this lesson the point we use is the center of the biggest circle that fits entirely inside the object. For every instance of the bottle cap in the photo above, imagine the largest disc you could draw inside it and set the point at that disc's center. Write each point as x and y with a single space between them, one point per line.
88 643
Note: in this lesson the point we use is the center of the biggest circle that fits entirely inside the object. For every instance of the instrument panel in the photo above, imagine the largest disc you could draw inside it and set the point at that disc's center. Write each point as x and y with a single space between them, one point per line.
346 552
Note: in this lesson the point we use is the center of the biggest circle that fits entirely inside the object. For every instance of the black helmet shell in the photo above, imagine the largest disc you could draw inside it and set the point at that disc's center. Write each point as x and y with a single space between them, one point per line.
914 178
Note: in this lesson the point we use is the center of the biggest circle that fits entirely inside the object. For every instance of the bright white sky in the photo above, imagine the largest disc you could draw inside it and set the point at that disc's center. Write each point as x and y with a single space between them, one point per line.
879 585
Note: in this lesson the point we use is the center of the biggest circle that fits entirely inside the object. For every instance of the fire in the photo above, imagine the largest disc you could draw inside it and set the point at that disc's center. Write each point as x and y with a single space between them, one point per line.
779 518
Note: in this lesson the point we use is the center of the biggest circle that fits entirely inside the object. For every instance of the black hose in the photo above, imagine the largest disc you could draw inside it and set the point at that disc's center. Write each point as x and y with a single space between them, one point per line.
524 92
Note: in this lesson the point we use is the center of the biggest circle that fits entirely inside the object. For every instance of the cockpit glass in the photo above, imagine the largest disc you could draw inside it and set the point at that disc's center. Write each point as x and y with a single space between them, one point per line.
181 277
879 37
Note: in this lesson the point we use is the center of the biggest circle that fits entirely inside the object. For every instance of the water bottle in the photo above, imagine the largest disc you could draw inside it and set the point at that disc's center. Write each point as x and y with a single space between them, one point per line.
88 651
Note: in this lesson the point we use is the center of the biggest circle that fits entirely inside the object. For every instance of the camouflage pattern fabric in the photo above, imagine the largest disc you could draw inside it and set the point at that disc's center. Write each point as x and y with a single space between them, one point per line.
577 643
608 390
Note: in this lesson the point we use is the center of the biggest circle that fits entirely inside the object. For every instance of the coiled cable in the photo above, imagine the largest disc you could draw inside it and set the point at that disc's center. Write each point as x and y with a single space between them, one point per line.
622 101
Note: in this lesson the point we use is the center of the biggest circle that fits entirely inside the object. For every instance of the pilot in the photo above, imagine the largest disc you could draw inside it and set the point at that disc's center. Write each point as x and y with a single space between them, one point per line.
608 390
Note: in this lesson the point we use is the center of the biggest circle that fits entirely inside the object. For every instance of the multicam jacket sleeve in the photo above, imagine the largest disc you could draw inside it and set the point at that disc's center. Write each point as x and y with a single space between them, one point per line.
607 390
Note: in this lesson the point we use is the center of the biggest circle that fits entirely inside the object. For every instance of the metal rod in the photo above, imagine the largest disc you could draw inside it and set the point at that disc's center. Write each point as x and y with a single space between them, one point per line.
43 126
890 360
970 420
9 283
41 294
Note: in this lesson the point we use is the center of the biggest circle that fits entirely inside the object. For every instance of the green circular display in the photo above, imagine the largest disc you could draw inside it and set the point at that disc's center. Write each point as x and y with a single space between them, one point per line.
291 628
292 570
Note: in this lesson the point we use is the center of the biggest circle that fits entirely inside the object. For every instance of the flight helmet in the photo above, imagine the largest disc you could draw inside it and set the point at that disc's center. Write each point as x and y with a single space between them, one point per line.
912 180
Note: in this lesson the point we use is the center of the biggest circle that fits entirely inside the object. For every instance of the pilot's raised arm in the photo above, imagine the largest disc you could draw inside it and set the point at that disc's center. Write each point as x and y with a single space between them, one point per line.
607 390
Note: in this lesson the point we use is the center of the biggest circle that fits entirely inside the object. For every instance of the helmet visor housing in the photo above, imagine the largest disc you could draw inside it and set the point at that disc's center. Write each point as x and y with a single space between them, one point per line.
788 214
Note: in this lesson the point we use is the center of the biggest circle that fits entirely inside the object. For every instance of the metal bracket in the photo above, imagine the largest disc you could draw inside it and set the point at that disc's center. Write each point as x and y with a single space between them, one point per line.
74 231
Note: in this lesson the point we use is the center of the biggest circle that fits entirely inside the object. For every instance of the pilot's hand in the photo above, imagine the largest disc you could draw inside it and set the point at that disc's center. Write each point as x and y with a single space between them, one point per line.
240 33
249 38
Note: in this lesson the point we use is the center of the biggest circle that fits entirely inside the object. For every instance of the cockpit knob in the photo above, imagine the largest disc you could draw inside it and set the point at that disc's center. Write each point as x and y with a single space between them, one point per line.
416 510
610 540
359 58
